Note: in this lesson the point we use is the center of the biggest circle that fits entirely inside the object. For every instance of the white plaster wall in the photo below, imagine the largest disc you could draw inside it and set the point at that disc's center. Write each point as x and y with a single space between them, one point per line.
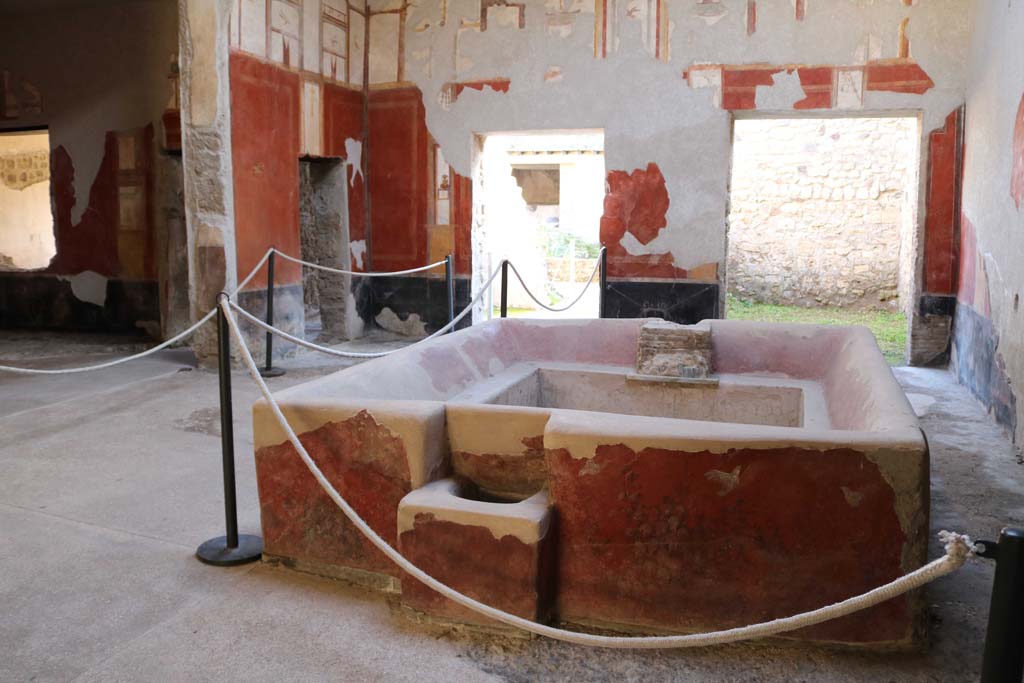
581 195
99 68
648 111
995 87
26 220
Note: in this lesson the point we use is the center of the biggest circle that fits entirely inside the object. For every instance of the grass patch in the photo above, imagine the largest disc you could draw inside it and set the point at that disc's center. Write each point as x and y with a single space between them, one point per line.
514 312
890 328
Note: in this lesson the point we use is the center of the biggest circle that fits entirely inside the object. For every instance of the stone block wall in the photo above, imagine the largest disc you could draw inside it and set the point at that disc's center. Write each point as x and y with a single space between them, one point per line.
819 210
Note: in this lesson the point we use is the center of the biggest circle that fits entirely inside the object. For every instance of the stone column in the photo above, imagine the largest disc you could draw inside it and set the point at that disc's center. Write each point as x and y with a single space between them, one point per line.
206 155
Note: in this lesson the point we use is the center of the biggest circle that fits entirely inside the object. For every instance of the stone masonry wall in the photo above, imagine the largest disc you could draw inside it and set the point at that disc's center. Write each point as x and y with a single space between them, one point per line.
817 209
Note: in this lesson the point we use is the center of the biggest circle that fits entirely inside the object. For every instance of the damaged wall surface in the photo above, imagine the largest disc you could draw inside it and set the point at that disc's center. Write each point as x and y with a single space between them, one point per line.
661 79
296 72
989 329
97 78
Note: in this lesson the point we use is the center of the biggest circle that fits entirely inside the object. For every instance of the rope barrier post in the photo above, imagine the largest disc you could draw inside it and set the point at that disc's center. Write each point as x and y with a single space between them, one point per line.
504 288
449 282
603 282
1004 639
269 370
232 548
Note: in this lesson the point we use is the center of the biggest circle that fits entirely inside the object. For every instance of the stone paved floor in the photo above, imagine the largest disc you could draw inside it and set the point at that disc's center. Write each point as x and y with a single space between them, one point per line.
108 482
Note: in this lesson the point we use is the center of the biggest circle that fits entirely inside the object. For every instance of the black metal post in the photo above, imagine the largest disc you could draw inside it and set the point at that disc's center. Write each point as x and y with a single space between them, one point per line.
232 548
1004 639
603 282
504 288
449 281
269 370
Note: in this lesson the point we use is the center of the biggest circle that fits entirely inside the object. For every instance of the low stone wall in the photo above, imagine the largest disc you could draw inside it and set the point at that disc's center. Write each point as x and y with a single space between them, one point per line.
820 210
558 269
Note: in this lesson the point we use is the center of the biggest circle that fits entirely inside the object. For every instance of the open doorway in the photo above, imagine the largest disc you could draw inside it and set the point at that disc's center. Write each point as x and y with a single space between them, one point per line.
823 223
26 220
330 313
542 198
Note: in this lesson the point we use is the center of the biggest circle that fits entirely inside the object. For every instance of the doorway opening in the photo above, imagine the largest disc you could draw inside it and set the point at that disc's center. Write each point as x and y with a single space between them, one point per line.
330 313
27 241
823 223
542 196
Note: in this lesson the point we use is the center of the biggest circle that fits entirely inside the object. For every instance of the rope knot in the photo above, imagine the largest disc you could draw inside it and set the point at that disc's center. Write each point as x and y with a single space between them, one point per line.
959 547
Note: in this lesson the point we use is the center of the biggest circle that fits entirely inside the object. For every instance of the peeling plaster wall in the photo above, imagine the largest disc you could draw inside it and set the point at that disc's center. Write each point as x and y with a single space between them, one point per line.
296 78
550 78
97 68
97 78
989 330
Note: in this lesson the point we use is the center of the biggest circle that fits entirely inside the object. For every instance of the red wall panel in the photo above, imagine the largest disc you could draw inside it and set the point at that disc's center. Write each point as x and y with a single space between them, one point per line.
90 244
940 228
265 132
462 220
398 178
343 119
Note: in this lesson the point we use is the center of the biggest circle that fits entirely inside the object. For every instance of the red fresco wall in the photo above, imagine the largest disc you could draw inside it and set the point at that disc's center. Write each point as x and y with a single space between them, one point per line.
265 132
91 244
940 265
462 219
343 119
398 178
636 202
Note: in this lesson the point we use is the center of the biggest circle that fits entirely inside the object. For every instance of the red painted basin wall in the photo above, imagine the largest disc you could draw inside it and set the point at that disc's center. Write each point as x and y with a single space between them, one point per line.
665 539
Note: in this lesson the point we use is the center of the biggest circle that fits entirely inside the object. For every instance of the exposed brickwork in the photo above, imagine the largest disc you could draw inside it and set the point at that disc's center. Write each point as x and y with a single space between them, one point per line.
670 350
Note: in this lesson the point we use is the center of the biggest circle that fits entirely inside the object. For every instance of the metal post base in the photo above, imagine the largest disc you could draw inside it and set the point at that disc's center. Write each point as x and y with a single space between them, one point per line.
271 372
216 551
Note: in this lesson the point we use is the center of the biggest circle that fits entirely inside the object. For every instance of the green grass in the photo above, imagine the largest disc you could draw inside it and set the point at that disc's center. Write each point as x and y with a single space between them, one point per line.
890 328
514 312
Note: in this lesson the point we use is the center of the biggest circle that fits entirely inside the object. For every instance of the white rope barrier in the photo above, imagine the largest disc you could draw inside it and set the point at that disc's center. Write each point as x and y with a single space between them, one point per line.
148 352
555 309
958 548
339 271
355 354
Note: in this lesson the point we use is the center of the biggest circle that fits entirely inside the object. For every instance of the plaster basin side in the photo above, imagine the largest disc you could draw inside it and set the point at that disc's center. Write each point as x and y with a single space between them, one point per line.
604 341
736 523
373 453
860 389
609 391
499 448
794 350
496 553
526 520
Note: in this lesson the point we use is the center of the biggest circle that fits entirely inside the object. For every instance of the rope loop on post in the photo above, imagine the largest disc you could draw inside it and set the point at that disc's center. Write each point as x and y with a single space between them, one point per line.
339 271
556 309
148 352
354 354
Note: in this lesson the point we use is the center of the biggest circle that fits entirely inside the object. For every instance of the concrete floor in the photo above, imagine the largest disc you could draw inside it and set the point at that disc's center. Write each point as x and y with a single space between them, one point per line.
109 481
